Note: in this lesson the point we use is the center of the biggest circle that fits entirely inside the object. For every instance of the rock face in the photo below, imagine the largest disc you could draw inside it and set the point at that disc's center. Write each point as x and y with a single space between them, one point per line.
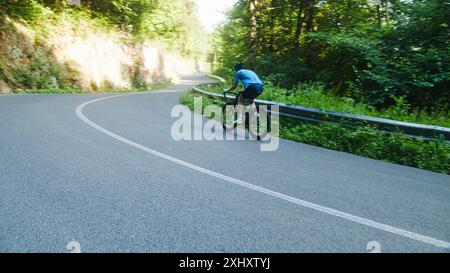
4 88
83 56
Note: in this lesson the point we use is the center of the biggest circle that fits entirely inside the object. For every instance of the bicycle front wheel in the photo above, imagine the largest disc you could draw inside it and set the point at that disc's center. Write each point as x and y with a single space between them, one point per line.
229 117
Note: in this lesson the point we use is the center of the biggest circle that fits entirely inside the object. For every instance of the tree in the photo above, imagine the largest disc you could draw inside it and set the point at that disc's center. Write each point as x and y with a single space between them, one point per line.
403 51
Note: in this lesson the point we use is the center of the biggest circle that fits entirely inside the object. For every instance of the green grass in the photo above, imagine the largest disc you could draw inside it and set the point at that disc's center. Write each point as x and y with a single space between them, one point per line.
315 96
368 142
76 90
361 140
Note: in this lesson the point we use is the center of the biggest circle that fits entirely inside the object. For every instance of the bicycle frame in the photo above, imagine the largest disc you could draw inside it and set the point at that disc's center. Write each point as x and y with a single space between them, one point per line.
224 96
236 97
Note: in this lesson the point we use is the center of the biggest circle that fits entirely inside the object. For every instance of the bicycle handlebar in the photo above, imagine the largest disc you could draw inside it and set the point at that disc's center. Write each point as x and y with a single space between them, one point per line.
224 94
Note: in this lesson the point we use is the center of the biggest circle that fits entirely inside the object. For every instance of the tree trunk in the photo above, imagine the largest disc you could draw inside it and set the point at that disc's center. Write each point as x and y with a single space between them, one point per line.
379 15
311 13
253 32
387 12
300 19
271 26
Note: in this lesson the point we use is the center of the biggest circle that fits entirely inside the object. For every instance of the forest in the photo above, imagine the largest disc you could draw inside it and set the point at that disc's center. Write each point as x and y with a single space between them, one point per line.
173 23
377 52
378 58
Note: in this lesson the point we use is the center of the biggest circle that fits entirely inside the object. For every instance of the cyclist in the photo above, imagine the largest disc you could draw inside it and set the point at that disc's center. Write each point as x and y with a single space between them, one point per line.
253 88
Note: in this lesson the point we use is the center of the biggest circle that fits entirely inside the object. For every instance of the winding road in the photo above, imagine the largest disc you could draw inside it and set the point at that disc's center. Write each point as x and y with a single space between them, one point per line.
102 170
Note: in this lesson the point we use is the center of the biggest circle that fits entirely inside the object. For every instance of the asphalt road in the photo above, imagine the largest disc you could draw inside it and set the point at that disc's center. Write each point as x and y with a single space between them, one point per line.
111 178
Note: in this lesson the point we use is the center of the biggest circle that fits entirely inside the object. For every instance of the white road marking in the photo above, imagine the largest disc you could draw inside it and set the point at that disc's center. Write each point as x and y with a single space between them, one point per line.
323 209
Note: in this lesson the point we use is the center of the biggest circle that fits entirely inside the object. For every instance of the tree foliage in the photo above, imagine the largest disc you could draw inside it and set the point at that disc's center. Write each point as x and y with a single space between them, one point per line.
174 23
373 53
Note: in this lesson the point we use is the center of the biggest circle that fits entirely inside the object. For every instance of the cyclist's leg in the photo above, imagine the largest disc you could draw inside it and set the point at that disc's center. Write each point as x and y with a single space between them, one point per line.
240 107
240 102
251 93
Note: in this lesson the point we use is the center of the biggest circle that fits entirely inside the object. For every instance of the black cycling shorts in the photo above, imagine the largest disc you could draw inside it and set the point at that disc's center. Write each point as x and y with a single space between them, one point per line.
252 91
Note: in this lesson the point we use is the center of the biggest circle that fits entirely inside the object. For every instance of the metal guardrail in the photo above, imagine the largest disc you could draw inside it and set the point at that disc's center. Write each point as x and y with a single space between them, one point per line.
427 132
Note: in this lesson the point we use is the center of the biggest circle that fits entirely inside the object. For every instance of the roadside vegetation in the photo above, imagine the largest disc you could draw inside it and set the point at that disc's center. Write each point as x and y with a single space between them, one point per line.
360 140
315 95
387 59
32 59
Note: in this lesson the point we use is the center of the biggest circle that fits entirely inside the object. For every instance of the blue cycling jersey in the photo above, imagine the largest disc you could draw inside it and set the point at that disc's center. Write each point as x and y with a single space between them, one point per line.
247 77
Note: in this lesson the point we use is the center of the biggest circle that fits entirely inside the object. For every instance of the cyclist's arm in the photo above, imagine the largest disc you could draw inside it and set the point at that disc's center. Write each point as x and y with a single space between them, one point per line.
235 82
234 86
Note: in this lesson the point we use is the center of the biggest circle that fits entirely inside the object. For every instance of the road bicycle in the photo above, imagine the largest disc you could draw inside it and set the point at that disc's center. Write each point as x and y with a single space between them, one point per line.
251 114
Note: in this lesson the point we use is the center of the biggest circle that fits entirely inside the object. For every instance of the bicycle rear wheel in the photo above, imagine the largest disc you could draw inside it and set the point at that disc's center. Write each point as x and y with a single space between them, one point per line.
263 118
